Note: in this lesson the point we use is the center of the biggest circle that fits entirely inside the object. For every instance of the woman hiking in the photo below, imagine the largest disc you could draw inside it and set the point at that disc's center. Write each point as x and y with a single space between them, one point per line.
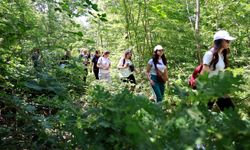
126 68
216 60
157 72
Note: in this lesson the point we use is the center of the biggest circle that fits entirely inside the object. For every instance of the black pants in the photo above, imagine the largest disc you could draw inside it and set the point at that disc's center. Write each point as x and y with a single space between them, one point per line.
85 74
129 79
96 72
222 102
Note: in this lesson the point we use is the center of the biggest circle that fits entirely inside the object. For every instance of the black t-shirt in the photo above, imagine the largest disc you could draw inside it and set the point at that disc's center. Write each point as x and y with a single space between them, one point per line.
95 60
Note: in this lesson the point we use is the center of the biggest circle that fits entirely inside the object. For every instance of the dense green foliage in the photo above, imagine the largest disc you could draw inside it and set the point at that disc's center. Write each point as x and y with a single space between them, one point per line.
48 107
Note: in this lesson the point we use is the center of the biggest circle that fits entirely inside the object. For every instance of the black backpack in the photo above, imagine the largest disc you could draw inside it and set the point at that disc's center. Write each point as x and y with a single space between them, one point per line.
131 67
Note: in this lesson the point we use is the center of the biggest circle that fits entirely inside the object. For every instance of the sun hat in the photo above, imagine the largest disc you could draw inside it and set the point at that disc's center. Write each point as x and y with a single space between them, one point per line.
158 47
223 35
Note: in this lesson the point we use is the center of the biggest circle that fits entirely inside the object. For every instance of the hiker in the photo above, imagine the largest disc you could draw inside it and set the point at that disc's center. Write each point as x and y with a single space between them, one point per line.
126 68
84 57
65 59
157 72
36 58
216 60
104 65
94 64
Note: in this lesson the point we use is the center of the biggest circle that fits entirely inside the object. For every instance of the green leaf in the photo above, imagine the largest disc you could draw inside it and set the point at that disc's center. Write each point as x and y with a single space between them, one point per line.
58 9
95 7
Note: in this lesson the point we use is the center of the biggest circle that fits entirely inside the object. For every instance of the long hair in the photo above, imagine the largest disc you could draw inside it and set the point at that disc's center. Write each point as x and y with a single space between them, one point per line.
156 58
105 53
124 57
217 46
125 54
97 52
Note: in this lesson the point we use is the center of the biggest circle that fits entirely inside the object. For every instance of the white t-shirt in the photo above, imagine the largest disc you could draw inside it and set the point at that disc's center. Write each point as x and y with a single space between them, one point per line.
220 66
159 65
125 72
104 63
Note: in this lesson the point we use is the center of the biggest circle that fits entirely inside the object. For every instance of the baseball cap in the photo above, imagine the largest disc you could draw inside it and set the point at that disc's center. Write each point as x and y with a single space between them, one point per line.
158 47
223 35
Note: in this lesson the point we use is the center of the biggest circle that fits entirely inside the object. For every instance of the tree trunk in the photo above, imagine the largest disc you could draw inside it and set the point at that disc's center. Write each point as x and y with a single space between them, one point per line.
126 11
145 23
197 31
189 16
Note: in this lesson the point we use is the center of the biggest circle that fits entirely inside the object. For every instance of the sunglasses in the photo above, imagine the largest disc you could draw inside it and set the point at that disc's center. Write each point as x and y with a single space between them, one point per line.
227 41
160 50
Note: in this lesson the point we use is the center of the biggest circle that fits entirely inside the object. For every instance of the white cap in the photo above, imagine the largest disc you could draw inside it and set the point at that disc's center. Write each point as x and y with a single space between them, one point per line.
158 47
223 35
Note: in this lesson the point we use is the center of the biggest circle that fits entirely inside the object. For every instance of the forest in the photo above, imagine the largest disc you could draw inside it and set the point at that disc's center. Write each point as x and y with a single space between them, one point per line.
46 106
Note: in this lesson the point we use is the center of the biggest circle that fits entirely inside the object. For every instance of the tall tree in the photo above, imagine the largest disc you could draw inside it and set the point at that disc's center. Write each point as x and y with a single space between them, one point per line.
197 31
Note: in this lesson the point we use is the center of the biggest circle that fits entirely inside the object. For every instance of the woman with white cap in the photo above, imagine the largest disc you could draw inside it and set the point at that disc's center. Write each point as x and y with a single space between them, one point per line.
157 72
216 60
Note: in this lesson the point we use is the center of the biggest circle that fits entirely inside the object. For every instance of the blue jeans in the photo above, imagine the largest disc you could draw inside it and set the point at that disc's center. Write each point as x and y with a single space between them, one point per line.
158 87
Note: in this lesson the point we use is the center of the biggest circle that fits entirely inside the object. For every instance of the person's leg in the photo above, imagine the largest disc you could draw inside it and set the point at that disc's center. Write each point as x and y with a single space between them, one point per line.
96 72
157 91
124 80
131 79
108 77
105 76
85 74
156 88
210 104
225 102
100 76
153 95
162 89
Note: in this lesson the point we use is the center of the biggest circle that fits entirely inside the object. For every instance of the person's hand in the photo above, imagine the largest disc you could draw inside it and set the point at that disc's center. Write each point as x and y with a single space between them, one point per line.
151 82
106 68
126 66
102 67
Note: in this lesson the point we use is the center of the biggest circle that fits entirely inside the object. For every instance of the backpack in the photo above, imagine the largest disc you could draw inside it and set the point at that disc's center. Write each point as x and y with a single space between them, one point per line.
195 74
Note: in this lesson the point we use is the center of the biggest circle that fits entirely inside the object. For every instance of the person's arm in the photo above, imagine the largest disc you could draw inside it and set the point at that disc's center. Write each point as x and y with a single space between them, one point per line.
205 68
109 65
120 64
99 64
148 74
207 58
